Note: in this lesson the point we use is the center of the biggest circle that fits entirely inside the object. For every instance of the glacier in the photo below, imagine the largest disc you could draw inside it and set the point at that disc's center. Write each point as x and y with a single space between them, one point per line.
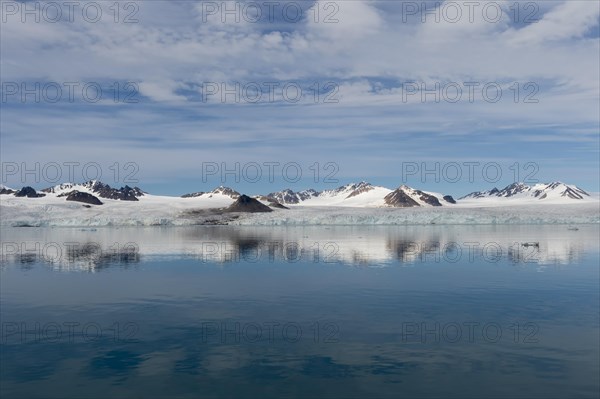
169 211
354 204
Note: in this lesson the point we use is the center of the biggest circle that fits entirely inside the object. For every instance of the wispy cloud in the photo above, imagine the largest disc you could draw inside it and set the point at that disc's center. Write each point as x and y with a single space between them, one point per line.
366 51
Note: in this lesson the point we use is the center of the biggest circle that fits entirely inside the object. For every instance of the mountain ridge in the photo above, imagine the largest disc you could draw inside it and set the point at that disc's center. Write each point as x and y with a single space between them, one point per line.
360 194
97 188
540 191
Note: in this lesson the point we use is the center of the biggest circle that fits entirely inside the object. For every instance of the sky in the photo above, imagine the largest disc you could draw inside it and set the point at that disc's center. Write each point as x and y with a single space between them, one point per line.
183 96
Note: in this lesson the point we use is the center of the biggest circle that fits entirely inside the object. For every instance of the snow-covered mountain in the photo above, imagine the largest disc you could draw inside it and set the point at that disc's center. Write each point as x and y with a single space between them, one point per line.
406 197
98 189
353 194
363 194
556 191
219 191
349 190
97 204
290 197
6 190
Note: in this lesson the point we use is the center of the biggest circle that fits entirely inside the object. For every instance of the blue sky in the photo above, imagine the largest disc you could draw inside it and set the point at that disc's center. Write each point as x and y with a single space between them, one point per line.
365 62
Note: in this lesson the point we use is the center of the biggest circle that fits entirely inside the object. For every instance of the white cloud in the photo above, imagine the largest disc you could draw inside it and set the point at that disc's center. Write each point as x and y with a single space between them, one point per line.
161 90
369 53
568 20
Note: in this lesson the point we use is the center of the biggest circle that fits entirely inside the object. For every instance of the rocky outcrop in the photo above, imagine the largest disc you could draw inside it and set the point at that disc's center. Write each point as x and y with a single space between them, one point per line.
362 187
86 198
405 197
123 194
193 195
99 189
428 199
449 199
248 204
290 197
399 199
28 192
275 204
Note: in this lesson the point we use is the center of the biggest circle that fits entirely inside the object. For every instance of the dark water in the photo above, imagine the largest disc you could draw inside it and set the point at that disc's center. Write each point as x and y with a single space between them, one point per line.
304 312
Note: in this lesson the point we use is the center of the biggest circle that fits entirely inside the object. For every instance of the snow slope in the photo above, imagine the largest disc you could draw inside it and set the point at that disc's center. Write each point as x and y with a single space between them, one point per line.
555 192
153 210
361 194
149 210
350 196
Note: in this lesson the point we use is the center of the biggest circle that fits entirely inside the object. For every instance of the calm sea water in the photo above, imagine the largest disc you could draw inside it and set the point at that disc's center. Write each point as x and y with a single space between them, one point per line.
432 311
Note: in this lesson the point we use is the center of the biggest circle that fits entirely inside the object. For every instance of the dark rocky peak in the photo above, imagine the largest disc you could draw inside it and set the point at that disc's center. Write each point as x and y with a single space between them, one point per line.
86 198
428 198
28 192
247 204
449 199
100 189
123 194
399 199
6 190
288 196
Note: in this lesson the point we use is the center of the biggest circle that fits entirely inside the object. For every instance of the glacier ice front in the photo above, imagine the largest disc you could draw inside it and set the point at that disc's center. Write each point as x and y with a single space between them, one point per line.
353 204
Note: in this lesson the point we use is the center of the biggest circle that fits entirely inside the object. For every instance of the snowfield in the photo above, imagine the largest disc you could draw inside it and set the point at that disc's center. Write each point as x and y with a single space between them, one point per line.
150 210
352 204
153 210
